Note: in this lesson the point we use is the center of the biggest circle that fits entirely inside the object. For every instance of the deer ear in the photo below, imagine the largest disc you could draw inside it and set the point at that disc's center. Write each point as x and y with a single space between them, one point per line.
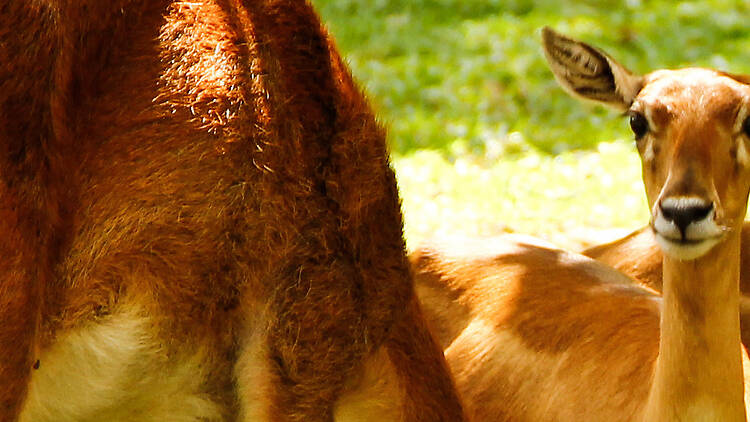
589 73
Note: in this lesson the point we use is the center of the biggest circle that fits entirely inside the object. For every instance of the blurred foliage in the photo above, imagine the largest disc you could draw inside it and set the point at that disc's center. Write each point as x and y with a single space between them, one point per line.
468 76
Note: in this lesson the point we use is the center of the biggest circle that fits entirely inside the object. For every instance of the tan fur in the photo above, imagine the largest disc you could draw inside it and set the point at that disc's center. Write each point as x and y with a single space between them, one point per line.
638 256
520 356
199 221
533 333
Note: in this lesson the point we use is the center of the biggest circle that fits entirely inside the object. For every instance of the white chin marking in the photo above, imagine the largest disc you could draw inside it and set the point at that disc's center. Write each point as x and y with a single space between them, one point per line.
685 251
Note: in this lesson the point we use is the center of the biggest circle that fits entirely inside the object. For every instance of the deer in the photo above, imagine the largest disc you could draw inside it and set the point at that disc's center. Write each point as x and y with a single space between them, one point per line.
199 222
534 333
638 256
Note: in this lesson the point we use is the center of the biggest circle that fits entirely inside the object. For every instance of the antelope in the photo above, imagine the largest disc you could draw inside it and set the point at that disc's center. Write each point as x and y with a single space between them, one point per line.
638 256
533 333
199 222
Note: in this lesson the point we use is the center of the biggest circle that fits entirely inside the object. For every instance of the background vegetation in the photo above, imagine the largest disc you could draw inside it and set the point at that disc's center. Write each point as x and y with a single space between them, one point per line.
483 139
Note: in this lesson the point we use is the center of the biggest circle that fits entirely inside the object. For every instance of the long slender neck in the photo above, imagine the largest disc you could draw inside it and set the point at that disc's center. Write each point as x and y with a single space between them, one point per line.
699 369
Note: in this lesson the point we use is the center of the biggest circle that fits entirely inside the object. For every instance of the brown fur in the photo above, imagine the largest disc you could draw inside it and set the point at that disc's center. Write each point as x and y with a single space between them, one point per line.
208 162
638 256
530 362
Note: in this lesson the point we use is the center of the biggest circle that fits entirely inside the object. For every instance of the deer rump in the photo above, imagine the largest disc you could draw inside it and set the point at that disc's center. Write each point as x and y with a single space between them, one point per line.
199 222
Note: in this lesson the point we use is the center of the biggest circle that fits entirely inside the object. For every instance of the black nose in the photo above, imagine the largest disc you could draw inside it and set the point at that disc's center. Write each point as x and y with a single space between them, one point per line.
682 212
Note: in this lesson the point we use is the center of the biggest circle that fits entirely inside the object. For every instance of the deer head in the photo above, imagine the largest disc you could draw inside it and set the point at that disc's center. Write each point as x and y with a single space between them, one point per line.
692 130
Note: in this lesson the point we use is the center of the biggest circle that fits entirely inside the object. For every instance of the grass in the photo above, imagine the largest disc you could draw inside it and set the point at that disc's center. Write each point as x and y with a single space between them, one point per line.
483 139
558 198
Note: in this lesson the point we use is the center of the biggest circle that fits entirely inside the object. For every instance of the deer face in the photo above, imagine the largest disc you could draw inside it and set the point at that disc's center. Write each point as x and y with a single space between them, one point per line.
692 131
690 128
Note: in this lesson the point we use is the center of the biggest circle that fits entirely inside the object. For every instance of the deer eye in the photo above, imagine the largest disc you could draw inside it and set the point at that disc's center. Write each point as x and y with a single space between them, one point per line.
746 127
639 124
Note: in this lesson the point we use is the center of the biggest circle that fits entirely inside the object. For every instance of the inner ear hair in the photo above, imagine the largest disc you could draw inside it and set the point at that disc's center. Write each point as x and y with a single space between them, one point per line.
588 73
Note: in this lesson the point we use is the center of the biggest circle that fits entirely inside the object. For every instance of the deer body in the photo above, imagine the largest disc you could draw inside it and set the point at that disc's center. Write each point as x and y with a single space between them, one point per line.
638 256
199 222
518 357
590 343
115 369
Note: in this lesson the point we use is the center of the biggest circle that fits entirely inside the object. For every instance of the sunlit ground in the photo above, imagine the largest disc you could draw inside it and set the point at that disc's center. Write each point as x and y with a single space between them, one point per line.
574 199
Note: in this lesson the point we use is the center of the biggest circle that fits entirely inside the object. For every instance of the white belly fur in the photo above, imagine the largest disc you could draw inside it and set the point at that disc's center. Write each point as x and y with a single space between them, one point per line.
114 370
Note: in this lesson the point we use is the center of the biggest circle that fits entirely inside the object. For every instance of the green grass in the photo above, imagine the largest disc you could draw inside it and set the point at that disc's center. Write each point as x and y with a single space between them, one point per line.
463 84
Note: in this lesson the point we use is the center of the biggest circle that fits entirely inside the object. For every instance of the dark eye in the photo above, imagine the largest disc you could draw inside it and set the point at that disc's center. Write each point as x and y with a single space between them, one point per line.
746 127
639 124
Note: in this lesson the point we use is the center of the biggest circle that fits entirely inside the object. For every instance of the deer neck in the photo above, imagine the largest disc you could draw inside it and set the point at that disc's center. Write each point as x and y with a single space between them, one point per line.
698 372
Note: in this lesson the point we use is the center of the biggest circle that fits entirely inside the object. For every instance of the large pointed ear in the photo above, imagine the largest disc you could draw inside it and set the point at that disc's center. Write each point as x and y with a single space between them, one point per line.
588 72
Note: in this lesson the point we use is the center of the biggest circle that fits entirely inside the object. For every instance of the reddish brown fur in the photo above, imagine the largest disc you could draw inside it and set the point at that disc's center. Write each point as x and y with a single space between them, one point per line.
205 161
